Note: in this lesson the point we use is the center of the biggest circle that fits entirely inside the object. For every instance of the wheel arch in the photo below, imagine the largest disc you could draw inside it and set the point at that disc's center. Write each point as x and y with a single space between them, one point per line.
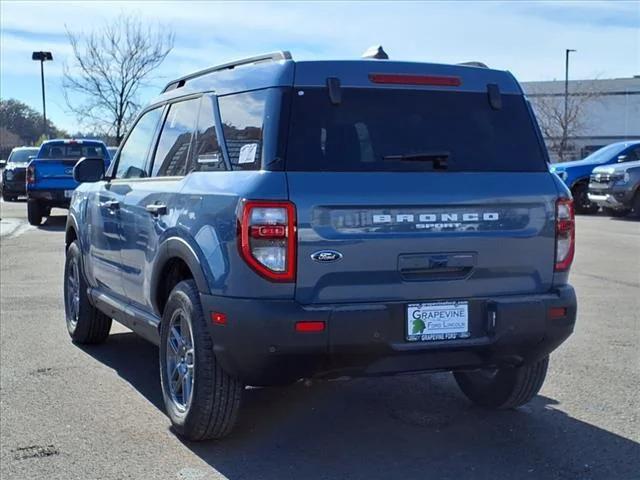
176 260
578 181
71 233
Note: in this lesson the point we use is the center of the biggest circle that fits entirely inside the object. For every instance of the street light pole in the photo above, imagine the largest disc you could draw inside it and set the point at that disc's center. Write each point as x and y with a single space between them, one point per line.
43 57
44 103
566 99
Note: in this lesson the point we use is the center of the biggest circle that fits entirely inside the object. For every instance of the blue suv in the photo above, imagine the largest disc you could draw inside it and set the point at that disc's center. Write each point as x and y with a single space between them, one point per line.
576 174
270 220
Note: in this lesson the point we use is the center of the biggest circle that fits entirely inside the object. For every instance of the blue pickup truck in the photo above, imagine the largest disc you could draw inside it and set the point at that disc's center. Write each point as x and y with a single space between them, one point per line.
49 176
269 220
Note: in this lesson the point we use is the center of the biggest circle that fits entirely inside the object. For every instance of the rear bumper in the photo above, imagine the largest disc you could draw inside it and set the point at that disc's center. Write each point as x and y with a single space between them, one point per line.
259 343
52 198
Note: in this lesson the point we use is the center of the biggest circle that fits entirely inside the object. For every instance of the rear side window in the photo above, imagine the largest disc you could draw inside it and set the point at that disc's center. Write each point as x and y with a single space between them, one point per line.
208 153
242 122
410 130
172 153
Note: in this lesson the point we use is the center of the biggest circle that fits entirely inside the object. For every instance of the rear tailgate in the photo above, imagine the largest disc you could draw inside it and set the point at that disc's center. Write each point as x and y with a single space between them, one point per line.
422 236
52 174
428 182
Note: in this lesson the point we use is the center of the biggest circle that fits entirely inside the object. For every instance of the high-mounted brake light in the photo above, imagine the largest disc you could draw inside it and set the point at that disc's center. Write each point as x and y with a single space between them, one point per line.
399 79
565 234
267 238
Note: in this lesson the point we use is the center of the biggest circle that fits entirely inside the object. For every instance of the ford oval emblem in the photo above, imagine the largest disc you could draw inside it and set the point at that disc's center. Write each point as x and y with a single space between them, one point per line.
325 256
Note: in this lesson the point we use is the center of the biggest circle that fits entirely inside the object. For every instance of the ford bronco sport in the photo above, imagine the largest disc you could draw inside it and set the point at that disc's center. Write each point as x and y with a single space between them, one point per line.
270 220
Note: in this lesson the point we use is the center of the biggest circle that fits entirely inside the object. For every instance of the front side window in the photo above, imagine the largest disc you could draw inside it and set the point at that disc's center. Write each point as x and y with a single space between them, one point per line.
133 155
242 122
172 154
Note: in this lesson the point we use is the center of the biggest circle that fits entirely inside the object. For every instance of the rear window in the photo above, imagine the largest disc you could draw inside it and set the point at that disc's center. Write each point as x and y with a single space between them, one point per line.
70 151
410 130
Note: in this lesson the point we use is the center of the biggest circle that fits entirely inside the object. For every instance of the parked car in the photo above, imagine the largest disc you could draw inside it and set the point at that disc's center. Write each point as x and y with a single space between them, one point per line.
616 188
270 220
49 176
12 185
576 174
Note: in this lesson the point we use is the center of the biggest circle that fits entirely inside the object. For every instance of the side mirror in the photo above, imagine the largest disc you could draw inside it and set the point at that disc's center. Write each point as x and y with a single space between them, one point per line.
622 158
3 163
89 169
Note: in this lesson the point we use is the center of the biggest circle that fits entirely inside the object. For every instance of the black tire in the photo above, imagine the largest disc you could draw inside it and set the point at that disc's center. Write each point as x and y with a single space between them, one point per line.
503 388
211 410
85 323
612 212
636 205
581 201
34 212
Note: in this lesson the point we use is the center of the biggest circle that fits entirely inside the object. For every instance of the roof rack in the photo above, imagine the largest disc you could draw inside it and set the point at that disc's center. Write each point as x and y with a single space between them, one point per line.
267 57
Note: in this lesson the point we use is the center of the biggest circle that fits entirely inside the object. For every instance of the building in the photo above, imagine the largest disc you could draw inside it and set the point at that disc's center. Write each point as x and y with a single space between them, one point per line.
600 112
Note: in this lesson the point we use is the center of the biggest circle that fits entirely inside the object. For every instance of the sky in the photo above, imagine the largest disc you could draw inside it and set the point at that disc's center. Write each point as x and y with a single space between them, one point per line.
527 38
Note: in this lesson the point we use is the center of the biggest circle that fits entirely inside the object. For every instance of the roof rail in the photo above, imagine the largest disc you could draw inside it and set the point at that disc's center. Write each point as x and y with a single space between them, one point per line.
267 57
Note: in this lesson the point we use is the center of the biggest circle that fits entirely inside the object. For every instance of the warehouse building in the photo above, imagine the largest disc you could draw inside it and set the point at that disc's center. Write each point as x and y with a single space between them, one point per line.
600 112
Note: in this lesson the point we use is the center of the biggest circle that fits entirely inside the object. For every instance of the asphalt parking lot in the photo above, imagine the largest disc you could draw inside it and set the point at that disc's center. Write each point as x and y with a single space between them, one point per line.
70 412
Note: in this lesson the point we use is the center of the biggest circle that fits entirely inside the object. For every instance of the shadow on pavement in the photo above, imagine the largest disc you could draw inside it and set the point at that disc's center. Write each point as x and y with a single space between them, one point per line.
387 428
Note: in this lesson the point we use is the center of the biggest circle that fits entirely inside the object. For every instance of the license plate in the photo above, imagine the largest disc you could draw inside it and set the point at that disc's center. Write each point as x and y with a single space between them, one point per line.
68 193
437 321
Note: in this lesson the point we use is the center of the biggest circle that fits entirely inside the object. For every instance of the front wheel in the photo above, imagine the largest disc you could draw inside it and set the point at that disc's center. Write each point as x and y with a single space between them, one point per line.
636 205
581 200
202 400
503 388
85 323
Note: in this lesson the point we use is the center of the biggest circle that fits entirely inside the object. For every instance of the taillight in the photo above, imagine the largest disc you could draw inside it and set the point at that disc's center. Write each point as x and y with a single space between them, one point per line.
268 238
565 234
30 175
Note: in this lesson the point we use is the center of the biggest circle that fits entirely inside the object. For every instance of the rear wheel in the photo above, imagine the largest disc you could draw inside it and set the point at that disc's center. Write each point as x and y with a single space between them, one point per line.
581 201
35 212
85 323
503 388
202 400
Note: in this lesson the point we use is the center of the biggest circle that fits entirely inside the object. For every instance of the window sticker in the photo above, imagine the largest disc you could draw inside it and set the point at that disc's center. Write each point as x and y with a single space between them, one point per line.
248 153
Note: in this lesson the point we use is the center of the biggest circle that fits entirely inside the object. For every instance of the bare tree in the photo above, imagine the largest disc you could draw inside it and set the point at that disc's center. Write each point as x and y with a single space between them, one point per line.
108 68
557 129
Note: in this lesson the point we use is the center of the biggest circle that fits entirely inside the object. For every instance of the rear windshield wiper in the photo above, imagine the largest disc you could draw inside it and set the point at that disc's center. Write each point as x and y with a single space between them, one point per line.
439 159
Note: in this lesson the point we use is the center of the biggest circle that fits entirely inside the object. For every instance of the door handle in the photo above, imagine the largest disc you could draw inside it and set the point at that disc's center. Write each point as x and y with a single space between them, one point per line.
157 209
112 205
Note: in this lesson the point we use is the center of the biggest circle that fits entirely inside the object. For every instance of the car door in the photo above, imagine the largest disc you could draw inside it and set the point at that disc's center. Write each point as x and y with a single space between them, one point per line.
104 217
151 207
